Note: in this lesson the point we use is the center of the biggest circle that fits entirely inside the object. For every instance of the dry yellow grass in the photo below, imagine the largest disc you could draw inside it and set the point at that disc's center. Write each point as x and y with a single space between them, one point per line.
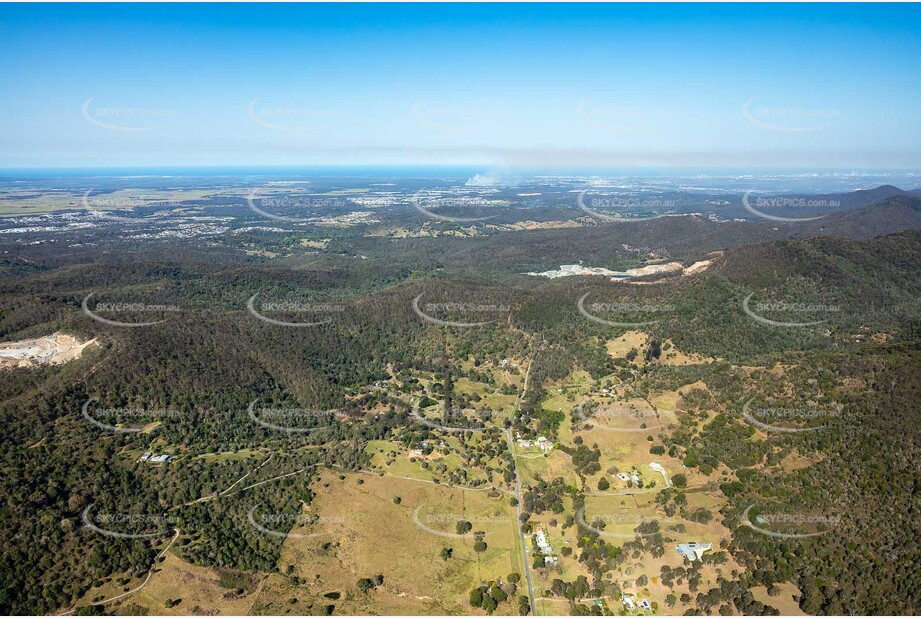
783 602
314 244
674 356
618 348
368 534
199 589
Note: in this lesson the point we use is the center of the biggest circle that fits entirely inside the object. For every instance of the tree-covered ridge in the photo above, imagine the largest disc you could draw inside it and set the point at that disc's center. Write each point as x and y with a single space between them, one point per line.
208 362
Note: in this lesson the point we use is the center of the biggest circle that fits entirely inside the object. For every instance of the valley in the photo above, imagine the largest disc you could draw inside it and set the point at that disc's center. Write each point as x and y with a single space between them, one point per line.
240 414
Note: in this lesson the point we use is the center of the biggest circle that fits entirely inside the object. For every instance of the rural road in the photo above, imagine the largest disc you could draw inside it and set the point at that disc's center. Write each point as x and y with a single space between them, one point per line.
524 547
143 583
511 450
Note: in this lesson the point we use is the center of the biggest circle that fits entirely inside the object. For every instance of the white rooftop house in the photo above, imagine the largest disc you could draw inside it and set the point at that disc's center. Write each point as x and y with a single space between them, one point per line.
543 543
661 470
632 476
151 458
693 551
629 601
542 443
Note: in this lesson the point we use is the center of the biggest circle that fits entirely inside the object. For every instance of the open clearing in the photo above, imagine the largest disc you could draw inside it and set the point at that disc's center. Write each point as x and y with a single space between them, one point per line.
53 349
784 601
20 202
201 591
366 533
639 341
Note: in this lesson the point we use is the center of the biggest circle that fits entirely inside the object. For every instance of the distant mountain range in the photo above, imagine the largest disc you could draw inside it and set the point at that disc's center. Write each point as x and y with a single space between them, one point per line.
863 197
678 237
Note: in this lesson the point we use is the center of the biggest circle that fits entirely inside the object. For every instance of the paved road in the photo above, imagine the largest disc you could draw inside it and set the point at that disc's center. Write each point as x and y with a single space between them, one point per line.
511 450
524 546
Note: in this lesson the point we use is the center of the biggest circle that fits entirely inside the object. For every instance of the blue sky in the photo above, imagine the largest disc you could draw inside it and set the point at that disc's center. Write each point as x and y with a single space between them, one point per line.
505 85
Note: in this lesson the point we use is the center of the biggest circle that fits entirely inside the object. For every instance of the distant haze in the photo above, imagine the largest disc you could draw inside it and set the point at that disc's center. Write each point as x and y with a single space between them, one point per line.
502 87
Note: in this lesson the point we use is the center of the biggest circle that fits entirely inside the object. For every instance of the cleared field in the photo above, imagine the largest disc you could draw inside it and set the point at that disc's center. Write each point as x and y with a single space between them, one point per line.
199 591
626 416
502 405
20 203
369 534
638 340
198 587
534 467
619 347
674 356
405 464
396 460
784 601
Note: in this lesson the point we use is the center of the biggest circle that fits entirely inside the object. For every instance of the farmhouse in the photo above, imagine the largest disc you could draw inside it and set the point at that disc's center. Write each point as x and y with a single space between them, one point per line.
629 601
542 443
661 470
693 551
542 542
149 457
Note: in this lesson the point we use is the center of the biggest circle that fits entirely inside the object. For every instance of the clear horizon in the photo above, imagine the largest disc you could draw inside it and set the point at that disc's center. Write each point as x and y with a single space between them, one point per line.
506 88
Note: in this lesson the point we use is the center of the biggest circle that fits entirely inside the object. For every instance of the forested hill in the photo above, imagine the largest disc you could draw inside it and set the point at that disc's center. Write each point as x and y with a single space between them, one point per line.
211 358
612 244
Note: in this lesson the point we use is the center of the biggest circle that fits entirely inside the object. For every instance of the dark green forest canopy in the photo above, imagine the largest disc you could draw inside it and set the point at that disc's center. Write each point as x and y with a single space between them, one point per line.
210 359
